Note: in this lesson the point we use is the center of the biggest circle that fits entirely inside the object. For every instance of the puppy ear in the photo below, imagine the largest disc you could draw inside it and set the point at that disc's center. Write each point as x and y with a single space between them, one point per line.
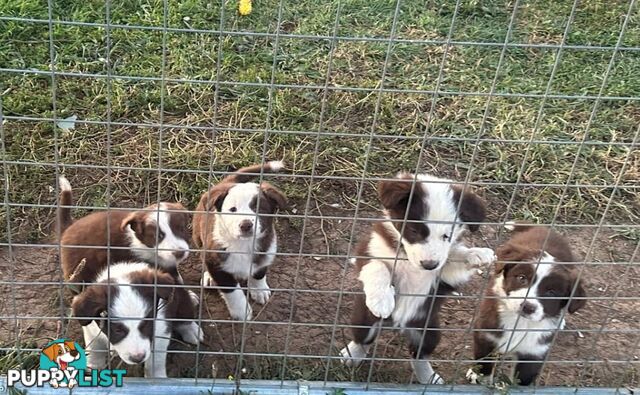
91 303
472 208
507 254
395 194
215 197
146 279
166 291
577 304
135 220
274 195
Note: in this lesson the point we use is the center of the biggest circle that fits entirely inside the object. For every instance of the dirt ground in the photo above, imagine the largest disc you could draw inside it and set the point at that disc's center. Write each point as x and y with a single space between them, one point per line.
604 353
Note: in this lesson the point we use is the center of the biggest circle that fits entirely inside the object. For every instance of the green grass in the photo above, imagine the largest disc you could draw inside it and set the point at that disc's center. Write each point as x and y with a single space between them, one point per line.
193 56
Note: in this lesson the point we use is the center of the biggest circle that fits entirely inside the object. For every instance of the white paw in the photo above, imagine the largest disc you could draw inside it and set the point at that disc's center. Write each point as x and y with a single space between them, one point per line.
478 378
436 379
242 313
382 302
192 333
195 299
425 373
207 280
480 256
472 376
353 354
260 295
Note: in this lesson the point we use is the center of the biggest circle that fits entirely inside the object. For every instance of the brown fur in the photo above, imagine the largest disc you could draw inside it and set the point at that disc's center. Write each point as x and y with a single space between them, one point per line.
99 230
518 257
94 300
204 222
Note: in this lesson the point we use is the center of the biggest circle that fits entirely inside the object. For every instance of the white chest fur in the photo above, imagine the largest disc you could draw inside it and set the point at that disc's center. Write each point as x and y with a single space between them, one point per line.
412 284
241 255
412 289
528 336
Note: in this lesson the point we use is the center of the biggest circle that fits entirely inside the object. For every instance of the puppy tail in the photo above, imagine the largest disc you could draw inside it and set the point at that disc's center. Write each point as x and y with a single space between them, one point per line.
517 226
249 173
65 201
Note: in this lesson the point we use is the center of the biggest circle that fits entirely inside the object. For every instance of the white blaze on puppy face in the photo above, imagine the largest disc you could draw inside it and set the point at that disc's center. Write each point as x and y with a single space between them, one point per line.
160 235
173 248
432 226
238 218
521 286
129 334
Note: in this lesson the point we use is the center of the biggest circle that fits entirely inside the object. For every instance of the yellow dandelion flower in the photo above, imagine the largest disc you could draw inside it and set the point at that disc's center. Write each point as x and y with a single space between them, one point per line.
244 7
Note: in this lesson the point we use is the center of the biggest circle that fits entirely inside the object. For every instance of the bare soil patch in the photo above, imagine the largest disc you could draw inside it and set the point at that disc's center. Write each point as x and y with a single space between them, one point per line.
300 323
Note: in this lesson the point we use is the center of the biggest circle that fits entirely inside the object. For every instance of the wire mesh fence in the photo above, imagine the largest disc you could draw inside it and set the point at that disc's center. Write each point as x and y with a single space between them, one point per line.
533 106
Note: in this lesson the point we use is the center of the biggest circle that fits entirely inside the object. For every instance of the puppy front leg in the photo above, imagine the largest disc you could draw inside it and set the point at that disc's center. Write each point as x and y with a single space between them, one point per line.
379 293
462 262
474 256
482 350
528 368
258 288
156 365
233 296
97 345
238 305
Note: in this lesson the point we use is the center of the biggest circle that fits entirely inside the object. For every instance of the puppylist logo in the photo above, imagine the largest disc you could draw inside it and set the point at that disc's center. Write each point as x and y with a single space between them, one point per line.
63 364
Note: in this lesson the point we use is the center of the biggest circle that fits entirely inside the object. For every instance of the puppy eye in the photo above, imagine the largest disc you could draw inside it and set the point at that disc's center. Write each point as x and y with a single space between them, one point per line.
551 293
160 235
116 330
522 279
233 209
445 237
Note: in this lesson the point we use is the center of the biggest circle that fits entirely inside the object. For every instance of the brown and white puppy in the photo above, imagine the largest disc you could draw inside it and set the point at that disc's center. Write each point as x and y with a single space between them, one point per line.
238 241
124 293
157 233
523 306
402 290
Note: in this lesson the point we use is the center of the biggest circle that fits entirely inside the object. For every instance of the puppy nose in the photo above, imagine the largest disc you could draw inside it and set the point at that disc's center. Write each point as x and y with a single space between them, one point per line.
73 353
429 264
527 308
137 358
180 254
246 226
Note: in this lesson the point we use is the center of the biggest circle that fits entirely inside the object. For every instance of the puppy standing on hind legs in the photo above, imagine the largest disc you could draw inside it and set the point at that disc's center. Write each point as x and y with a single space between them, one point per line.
239 241
404 291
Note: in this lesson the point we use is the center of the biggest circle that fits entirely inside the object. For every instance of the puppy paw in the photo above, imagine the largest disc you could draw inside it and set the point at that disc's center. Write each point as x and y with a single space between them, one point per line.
382 302
480 256
425 373
192 333
353 354
207 280
260 295
436 379
472 376
241 314
195 299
